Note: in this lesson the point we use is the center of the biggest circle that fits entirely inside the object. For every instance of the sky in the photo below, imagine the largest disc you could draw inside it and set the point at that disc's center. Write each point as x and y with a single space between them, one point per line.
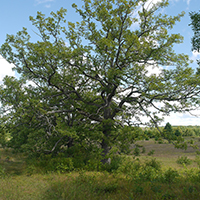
14 14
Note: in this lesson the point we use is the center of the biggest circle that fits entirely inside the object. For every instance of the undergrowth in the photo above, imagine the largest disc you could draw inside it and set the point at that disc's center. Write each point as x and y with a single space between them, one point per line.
126 177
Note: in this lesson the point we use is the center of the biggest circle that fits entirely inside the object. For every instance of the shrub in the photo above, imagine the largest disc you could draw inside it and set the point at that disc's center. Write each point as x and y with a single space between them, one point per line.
148 173
116 161
151 152
143 150
136 151
154 164
183 160
170 176
129 167
47 163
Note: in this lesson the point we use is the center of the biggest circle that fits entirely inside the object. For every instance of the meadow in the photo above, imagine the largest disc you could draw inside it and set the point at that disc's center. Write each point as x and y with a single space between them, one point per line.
159 172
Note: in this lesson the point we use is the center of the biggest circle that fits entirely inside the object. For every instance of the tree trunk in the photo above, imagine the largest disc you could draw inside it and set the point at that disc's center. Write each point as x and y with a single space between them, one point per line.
107 128
105 147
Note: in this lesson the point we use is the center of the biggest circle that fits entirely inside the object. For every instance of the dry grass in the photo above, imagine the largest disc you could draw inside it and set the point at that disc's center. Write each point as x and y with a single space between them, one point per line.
167 154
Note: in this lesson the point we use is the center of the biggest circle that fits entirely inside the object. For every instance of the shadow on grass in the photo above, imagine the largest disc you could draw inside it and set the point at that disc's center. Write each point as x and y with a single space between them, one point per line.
13 164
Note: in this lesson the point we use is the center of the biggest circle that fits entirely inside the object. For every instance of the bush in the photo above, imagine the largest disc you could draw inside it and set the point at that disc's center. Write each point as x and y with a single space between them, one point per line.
170 176
154 164
183 160
151 152
47 163
136 151
129 167
116 161
143 150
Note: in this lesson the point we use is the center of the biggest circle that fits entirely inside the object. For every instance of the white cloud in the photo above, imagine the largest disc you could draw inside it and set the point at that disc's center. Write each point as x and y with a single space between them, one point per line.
188 2
150 3
5 69
183 119
195 55
48 6
43 1
46 2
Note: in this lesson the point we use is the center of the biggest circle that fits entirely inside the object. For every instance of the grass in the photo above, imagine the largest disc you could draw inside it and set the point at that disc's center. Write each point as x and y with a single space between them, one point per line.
94 186
167 154
131 181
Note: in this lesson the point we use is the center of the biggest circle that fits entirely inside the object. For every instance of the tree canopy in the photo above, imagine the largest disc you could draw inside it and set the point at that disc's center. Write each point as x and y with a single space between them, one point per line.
195 24
80 82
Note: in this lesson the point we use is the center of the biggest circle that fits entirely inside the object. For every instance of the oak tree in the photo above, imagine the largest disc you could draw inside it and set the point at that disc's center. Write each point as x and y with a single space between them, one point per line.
115 67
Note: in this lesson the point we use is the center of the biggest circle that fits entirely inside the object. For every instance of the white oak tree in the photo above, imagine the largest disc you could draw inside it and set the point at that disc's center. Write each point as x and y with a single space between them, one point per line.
98 68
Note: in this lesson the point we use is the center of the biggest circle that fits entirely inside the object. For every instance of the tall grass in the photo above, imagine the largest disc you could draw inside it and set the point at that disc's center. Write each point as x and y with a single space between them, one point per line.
127 177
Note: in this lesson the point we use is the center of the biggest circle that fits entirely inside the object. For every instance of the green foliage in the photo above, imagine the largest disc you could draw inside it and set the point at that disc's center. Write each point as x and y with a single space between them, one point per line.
2 172
150 153
4 137
143 150
84 92
170 176
168 132
116 162
183 160
154 164
195 18
136 151
47 164
197 160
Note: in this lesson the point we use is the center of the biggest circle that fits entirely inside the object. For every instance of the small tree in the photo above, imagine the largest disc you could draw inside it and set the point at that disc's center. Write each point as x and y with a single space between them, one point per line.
168 132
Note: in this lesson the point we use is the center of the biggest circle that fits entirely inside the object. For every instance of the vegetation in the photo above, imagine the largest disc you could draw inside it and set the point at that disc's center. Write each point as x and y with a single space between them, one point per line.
158 176
85 87
195 24
71 124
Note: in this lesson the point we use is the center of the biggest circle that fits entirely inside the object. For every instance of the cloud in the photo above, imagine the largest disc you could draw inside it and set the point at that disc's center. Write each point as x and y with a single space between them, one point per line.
184 119
5 69
195 55
43 1
188 2
46 2
48 5
150 3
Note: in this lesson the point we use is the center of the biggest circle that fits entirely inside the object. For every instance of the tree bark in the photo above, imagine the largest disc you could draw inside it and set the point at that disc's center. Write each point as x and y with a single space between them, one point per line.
105 147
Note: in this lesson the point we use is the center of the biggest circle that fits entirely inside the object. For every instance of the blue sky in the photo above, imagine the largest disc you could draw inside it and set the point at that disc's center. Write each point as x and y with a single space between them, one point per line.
14 14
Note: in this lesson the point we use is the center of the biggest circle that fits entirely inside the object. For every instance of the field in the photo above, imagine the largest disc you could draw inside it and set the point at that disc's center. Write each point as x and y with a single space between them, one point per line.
136 178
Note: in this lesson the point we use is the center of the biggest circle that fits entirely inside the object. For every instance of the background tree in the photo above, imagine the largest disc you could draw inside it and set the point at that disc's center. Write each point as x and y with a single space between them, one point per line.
102 76
168 132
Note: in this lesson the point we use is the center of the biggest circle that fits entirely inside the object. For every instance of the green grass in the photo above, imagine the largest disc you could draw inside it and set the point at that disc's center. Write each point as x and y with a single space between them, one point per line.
142 180
94 186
